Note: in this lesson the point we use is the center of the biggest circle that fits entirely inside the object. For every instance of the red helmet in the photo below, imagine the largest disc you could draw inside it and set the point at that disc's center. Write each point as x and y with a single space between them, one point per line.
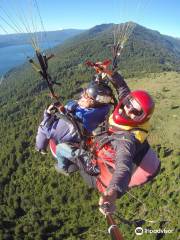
143 112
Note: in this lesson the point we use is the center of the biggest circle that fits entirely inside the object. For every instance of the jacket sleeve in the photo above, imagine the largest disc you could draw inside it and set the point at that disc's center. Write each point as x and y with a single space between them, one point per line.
42 138
46 117
71 106
120 85
125 149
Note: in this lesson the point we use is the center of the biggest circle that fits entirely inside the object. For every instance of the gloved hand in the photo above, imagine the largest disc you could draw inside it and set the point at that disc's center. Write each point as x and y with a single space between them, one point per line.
107 202
102 68
50 108
55 107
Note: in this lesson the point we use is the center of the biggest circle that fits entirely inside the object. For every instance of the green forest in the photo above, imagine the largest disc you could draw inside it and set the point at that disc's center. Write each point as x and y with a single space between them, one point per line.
38 203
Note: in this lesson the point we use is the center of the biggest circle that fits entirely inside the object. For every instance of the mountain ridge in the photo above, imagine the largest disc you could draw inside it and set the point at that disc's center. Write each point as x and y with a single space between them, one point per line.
148 49
145 51
23 38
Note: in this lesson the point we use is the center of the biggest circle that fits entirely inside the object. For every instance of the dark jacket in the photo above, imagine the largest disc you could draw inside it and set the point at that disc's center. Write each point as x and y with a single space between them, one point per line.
129 151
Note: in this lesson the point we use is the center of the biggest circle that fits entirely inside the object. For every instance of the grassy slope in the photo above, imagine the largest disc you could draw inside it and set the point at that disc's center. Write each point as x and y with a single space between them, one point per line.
165 89
160 199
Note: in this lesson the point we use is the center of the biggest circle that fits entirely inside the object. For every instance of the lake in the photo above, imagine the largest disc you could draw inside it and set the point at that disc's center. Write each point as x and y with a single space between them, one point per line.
16 55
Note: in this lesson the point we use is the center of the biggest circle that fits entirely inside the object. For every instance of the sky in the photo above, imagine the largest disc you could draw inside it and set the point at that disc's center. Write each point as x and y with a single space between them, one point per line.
160 15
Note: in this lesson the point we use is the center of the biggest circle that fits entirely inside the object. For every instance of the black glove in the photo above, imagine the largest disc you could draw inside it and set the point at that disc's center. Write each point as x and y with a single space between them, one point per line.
53 108
117 80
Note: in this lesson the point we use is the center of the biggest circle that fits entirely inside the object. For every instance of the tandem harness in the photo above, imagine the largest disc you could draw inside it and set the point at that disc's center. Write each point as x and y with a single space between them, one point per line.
76 128
106 138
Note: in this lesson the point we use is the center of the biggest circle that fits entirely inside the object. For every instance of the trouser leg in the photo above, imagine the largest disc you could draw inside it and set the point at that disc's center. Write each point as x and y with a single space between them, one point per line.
70 158
64 154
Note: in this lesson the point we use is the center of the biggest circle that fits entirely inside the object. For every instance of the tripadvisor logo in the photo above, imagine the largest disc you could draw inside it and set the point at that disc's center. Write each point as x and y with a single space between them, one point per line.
139 231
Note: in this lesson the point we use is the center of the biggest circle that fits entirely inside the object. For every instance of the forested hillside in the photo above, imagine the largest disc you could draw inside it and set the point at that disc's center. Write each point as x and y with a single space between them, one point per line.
146 50
38 203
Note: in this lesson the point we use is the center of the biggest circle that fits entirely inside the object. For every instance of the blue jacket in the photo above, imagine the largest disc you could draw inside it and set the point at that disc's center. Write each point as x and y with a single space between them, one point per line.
62 131
89 117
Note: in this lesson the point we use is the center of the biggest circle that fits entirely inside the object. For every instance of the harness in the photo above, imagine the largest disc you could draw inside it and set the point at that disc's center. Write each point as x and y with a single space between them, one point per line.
79 130
105 155
104 138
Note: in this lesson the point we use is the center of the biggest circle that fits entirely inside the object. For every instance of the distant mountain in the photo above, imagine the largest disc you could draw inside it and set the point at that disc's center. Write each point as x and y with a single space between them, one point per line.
23 38
150 51
145 50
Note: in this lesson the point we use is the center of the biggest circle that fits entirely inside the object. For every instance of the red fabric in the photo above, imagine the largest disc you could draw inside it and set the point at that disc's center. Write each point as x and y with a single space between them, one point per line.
52 146
105 158
144 172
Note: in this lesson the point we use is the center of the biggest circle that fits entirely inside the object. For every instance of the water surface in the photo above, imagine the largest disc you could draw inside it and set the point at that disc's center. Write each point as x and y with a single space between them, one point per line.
13 56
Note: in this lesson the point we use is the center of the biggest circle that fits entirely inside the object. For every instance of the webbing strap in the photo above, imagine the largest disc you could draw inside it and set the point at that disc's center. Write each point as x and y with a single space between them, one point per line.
78 129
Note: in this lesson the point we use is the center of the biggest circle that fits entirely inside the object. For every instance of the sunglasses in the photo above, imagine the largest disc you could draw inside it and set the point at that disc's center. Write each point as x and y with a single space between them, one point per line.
131 108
